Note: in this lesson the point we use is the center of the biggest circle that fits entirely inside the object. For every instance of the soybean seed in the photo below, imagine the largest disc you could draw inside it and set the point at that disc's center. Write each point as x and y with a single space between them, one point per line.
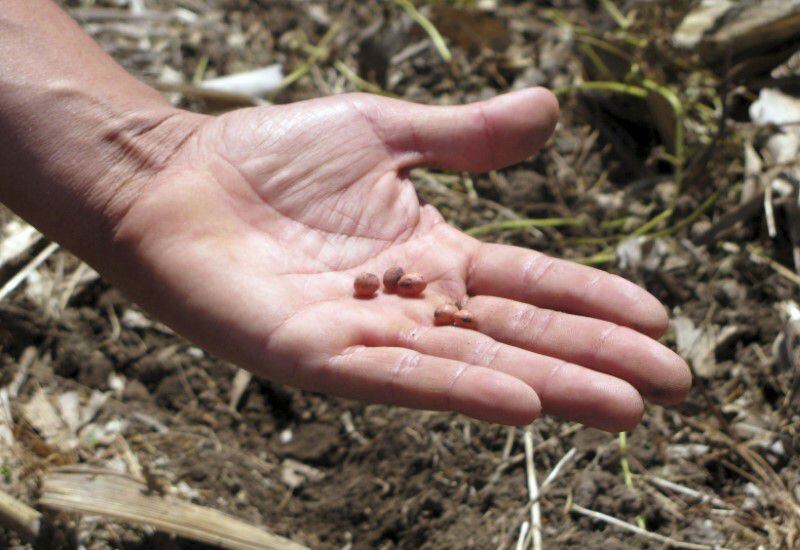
366 285
411 284
465 319
391 277
445 315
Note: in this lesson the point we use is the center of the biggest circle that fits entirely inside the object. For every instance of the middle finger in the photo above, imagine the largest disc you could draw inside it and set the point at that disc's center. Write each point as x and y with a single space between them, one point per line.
566 390
656 371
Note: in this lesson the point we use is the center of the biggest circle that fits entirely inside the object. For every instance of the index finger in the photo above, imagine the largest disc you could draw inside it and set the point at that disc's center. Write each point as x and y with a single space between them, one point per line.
535 278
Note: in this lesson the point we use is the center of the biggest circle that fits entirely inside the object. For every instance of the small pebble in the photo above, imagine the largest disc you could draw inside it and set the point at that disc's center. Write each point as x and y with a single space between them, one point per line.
411 284
366 285
391 277
445 315
465 319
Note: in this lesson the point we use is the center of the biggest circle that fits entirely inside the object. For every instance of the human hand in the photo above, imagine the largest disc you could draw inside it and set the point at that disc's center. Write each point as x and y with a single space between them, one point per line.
248 239
244 232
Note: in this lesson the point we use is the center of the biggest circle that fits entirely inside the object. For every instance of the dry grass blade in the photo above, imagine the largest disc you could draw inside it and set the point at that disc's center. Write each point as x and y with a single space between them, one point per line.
19 517
757 256
23 274
666 541
121 497
533 492
523 535
18 238
680 489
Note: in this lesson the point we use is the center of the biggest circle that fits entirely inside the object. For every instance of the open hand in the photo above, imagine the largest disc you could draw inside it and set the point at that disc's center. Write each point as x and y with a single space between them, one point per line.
248 242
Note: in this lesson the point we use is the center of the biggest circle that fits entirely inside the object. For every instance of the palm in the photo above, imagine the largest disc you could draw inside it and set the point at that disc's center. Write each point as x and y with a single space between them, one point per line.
268 215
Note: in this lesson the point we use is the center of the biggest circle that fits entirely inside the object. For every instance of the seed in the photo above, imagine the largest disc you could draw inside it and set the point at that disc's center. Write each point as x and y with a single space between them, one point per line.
411 284
391 277
366 285
465 319
445 315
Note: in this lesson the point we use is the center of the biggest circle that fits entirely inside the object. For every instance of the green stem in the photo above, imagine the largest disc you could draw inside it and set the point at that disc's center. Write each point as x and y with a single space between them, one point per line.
603 45
626 471
523 224
317 52
603 86
617 223
428 27
605 257
708 203
652 223
359 82
597 60
589 241
612 9
680 139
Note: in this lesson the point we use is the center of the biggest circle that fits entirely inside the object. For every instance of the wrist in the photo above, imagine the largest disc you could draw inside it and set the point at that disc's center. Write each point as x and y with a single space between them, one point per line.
77 174
132 147
79 136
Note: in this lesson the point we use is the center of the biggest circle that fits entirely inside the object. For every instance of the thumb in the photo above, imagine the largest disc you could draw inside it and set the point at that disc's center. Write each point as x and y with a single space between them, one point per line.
477 137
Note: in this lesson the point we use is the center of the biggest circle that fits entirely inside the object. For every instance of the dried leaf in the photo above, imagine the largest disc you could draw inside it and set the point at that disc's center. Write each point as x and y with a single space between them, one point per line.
69 404
696 345
41 414
473 31
641 253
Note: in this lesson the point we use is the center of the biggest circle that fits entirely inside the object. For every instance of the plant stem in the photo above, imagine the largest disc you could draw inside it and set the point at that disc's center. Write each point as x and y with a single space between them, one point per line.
603 86
318 52
605 257
523 224
708 203
652 223
612 9
680 139
429 28
359 82
626 471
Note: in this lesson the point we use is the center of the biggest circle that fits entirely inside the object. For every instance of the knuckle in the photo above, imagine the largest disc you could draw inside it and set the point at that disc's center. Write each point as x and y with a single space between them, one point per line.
604 340
533 323
484 353
536 268
405 362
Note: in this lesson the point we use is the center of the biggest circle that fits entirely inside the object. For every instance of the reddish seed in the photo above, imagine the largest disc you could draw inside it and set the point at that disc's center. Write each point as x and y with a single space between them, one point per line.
445 315
411 284
391 277
465 319
366 285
